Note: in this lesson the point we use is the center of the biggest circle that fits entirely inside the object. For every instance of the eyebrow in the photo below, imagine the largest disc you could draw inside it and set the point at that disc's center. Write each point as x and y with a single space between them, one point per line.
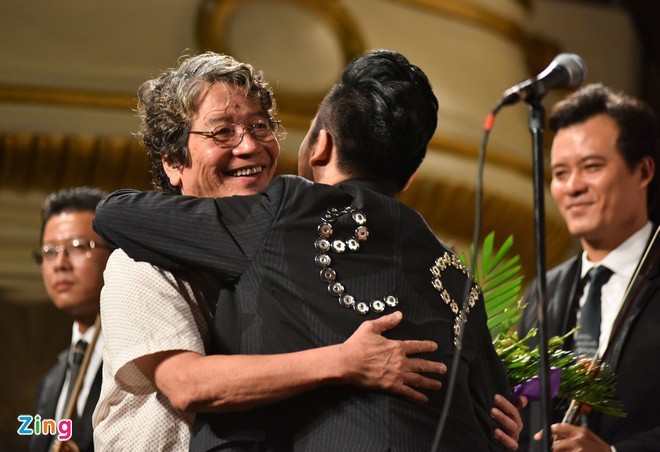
68 239
227 119
582 160
592 156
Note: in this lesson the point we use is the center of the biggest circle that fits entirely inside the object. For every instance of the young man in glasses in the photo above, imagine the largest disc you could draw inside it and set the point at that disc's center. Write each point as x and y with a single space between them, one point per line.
311 262
72 258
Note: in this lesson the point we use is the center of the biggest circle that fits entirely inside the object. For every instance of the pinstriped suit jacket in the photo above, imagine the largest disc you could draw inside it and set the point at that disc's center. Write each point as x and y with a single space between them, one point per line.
264 245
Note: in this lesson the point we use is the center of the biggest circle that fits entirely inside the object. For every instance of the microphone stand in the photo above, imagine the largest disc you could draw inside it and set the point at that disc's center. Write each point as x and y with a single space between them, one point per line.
536 128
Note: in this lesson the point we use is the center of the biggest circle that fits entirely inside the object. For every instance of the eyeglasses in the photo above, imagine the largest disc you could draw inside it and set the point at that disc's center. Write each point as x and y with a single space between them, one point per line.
229 136
74 249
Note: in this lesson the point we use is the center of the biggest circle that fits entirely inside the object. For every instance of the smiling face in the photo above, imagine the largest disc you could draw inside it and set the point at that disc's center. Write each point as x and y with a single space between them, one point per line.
602 201
74 282
215 171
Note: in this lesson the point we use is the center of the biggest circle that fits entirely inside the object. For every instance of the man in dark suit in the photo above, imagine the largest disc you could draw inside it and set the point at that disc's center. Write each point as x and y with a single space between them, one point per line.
72 258
604 158
310 262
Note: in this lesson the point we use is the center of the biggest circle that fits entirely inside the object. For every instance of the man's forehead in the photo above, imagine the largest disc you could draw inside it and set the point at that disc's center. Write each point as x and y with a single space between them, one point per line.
595 137
222 102
68 224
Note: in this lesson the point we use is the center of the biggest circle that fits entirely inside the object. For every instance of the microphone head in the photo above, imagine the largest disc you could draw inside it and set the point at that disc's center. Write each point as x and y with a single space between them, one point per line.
566 71
574 66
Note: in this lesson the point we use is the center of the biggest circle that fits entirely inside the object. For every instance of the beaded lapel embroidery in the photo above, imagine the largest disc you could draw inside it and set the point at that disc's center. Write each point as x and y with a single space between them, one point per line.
326 244
440 265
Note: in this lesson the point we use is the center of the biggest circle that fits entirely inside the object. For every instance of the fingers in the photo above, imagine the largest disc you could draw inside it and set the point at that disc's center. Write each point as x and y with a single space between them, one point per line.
504 422
557 431
522 402
507 416
507 407
407 391
387 322
419 365
421 382
505 440
561 440
415 347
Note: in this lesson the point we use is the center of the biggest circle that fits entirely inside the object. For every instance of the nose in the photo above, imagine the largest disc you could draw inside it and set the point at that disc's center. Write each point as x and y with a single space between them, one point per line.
62 260
247 145
575 183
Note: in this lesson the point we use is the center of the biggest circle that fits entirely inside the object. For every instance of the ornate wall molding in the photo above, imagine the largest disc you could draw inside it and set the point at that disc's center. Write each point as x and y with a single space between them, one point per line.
476 15
214 23
66 97
50 162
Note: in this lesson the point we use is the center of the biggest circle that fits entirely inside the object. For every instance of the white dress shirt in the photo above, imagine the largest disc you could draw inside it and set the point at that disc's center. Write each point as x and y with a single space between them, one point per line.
90 375
622 261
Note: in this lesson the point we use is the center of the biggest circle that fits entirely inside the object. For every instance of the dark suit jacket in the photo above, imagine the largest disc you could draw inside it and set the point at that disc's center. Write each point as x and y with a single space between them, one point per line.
634 356
48 393
265 245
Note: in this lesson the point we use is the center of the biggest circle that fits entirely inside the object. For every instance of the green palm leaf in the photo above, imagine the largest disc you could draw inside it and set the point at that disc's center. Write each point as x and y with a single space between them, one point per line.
501 283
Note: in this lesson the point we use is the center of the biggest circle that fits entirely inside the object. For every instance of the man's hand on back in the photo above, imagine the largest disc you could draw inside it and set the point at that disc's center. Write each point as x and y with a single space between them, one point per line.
375 362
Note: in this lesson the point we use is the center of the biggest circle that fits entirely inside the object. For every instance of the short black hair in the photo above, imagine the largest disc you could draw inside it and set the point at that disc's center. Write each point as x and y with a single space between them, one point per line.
76 199
382 113
638 128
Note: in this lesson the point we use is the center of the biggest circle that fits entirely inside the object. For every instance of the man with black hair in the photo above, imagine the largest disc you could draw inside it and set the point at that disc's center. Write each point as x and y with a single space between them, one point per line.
312 261
72 258
604 181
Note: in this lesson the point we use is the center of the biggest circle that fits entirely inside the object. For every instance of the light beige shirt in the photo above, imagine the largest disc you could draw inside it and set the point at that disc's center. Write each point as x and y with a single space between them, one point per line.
144 310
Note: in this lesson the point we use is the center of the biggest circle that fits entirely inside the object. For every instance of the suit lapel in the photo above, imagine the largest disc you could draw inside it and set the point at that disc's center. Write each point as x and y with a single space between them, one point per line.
49 394
565 299
52 387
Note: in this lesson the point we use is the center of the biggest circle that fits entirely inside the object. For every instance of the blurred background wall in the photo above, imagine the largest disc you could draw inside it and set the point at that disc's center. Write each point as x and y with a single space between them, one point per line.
69 72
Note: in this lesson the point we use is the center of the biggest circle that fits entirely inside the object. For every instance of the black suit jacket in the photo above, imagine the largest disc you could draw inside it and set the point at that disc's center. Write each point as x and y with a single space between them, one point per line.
634 356
48 393
264 244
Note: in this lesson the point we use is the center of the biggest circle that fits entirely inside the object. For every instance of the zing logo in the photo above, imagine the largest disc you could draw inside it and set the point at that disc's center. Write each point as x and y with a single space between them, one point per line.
36 426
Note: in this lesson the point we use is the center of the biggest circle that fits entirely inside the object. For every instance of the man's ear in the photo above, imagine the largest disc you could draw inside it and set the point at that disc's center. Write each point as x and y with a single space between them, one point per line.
173 173
647 168
321 152
410 181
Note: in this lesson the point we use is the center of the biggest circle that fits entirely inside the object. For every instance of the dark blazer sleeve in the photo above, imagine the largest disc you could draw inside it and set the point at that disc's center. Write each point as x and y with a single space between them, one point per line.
646 441
48 393
220 236
486 363
562 285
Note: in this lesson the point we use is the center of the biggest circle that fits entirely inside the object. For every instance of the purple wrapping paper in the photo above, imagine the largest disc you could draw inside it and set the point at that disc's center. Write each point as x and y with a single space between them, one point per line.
532 387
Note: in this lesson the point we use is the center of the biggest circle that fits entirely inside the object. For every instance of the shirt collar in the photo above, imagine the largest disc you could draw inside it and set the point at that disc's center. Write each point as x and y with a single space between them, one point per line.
623 259
371 185
76 335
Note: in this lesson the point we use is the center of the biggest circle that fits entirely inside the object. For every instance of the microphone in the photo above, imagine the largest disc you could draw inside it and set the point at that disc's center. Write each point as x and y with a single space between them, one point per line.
567 70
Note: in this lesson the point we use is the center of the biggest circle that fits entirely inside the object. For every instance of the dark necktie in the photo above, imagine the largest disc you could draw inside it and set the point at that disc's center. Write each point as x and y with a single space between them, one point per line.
78 355
586 342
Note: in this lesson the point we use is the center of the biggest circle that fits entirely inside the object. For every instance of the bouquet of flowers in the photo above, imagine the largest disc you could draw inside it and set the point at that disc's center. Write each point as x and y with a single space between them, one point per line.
571 377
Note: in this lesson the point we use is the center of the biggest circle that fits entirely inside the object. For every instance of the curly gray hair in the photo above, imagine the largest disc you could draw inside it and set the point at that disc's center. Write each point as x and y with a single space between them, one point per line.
167 103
